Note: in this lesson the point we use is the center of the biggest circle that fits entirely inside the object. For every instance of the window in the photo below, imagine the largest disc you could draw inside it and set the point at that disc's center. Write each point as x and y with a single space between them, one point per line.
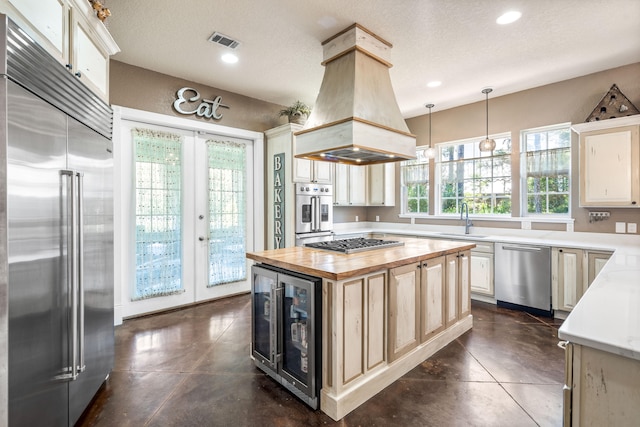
227 212
415 184
546 164
480 179
158 213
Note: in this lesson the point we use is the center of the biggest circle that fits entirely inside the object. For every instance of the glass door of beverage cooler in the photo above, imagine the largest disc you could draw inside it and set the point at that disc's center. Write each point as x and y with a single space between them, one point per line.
265 321
298 343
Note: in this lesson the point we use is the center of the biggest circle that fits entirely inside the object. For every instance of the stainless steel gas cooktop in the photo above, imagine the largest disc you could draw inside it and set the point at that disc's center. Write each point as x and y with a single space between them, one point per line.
350 246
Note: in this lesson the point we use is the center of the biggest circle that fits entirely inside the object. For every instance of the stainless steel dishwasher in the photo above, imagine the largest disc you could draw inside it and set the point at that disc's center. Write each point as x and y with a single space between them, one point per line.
523 277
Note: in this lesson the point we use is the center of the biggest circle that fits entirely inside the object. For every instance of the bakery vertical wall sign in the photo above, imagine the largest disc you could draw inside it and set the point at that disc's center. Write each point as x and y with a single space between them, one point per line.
188 101
278 201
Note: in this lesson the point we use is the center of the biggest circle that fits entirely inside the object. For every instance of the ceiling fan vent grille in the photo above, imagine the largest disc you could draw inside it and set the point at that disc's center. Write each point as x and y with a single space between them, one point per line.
223 40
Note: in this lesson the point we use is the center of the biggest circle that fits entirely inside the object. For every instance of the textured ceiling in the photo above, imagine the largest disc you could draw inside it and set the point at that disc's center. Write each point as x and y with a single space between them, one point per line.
455 41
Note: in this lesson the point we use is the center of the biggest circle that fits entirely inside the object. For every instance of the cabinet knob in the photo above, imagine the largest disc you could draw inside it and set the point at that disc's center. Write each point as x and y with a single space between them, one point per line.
418 266
77 74
633 203
559 250
69 66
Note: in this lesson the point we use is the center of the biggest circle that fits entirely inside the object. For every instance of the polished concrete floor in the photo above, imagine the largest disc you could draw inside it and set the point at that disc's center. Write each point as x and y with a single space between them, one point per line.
191 367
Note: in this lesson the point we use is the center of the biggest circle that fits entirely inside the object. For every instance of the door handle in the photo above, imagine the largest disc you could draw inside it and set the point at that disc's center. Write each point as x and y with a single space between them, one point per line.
73 262
80 224
522 248
202 238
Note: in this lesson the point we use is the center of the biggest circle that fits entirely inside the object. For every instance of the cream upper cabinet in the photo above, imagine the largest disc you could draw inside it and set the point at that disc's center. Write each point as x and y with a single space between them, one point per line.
350 185
381 186
312 171
309 170
70 31
610 162
47 20
90 61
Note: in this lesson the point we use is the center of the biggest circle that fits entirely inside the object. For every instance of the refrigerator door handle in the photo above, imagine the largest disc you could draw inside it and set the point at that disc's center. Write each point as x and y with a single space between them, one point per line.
72 269
277 337
80 271
75 266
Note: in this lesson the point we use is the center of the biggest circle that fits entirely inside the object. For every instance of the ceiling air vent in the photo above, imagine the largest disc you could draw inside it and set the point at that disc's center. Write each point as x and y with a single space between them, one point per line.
223 40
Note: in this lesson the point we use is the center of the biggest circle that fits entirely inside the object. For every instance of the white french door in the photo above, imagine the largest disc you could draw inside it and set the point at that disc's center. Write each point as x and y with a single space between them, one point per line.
223 207
185 213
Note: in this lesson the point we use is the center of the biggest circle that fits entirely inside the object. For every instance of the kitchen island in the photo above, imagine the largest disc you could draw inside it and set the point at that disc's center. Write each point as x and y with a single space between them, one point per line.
384 311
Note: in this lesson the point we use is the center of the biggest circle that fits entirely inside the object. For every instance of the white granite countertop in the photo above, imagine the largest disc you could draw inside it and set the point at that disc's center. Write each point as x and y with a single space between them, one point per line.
607 317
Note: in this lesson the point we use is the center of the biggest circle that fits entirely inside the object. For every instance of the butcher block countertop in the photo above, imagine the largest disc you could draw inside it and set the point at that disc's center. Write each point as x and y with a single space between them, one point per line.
338 266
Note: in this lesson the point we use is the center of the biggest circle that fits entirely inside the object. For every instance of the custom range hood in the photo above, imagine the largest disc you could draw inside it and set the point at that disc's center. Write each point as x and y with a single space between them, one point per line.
356 118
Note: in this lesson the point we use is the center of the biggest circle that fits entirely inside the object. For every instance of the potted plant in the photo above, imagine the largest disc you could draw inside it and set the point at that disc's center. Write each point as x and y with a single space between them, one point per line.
297 112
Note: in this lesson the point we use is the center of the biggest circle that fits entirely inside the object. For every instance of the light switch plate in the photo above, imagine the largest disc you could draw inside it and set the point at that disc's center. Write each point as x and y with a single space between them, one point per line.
526 225
621 227
632 227
377 218
357 218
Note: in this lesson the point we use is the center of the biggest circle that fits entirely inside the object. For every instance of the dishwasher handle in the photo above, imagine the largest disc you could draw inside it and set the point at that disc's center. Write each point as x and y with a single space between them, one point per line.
522 248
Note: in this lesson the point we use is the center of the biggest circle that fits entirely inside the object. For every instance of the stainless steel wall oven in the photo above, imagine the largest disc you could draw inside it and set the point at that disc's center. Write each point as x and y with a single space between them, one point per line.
314 213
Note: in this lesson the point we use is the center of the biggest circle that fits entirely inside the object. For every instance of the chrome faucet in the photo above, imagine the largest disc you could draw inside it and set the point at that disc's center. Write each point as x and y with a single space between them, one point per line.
464 207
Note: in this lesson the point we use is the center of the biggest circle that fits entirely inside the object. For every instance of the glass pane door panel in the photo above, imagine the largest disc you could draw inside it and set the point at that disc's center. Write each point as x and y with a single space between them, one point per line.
296 317
264 311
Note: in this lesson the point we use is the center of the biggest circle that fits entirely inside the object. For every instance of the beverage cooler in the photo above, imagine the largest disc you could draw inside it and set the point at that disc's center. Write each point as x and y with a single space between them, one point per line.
286 329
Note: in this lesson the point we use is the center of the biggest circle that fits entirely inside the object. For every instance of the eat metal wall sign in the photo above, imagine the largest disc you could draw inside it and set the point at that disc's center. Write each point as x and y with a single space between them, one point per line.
187 98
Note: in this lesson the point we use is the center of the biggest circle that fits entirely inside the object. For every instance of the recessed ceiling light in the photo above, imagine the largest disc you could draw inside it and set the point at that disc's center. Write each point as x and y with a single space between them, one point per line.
434 83
508 17
229 58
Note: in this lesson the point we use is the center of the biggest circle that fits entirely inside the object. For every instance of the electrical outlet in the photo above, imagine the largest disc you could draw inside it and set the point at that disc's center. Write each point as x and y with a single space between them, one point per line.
632 227
526 225
621 227
377 218
357 218
413 220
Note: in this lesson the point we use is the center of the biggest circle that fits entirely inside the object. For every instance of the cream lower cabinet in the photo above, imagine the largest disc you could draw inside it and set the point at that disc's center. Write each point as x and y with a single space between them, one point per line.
595 263
482 278
425 298
359 344
432 297
572 271
379 326
601 388
457 287
566 271
404 309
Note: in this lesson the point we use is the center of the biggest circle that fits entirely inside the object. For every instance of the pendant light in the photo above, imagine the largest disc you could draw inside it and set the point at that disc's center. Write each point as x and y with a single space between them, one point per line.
430 152
487 144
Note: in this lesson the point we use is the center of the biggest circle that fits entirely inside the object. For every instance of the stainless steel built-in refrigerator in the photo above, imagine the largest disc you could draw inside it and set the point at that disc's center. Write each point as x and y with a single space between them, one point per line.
286 329
57 266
